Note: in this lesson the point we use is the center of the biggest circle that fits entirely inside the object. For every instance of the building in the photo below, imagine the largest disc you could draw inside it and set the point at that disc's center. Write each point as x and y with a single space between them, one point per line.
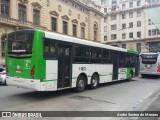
78 18
125 24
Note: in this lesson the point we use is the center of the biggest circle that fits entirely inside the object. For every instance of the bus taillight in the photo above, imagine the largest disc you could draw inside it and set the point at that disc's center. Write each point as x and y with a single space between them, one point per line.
32 71
158 70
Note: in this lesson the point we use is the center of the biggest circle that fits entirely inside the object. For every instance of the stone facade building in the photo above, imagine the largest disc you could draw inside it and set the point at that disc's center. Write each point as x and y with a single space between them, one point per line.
125 24
78 18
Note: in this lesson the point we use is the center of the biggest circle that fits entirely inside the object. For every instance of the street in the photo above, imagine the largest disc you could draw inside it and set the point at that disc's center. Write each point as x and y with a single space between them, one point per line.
136 95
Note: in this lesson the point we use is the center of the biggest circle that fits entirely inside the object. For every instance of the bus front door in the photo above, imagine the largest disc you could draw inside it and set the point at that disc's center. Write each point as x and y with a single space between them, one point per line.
115 65
64 66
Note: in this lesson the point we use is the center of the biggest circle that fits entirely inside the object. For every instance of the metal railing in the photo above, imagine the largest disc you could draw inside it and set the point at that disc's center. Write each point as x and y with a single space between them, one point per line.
18 23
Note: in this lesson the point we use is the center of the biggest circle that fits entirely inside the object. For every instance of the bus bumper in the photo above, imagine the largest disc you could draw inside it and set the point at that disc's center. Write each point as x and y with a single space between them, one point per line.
24 83
149 73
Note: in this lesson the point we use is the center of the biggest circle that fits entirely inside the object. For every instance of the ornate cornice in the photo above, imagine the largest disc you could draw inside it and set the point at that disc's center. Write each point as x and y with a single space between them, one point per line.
82 24
54 13
65 17
23 1
36 5
75 21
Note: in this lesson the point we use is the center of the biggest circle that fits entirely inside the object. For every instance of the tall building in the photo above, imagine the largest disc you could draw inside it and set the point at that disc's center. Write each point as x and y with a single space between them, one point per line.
78 18
125 24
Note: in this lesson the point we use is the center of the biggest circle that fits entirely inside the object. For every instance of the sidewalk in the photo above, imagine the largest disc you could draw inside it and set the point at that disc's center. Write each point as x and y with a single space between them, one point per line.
155 106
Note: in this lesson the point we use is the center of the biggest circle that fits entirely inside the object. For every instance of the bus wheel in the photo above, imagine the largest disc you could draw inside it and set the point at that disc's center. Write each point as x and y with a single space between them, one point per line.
143 76
130 76
81 84
94 81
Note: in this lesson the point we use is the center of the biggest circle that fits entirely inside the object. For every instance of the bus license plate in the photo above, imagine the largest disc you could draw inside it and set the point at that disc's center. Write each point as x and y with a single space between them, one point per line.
18 71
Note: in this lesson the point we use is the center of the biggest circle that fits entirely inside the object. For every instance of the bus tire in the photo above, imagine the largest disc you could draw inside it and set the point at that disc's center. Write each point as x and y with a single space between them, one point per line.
81 84
143 75
94 81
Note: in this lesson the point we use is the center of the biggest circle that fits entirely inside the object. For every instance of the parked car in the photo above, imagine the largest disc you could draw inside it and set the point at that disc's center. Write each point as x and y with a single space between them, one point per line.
2 75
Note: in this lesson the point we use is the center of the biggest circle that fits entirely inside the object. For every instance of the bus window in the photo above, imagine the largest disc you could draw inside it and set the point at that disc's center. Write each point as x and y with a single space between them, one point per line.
20 44
95 55
107 57
81 53
49 49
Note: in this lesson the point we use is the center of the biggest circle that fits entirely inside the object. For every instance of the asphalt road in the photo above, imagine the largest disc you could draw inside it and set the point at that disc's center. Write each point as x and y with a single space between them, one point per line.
138 94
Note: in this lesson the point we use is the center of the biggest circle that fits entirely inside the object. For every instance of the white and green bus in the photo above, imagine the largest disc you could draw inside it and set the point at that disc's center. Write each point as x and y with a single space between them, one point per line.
46 61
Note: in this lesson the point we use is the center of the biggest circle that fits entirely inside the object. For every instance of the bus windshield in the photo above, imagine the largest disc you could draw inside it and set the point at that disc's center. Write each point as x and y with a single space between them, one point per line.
149 58
20 44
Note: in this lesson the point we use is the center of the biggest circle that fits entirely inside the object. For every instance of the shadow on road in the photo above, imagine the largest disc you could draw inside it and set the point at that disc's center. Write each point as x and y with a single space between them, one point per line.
38 96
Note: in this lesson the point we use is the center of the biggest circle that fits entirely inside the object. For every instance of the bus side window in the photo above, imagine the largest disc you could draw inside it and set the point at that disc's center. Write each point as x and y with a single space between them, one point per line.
49 49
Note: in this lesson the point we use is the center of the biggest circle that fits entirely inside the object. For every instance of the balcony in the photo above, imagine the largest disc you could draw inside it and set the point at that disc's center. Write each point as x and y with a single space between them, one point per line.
19 24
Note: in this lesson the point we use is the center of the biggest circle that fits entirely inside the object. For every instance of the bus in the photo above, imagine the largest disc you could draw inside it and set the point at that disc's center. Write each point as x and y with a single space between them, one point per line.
47 61
149 64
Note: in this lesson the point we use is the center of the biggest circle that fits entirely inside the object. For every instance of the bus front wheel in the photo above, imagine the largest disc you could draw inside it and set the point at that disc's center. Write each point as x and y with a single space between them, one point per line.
94 81
81 84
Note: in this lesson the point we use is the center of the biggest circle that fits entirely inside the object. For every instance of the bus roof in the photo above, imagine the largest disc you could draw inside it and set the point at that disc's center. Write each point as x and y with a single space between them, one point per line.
85 42
66 38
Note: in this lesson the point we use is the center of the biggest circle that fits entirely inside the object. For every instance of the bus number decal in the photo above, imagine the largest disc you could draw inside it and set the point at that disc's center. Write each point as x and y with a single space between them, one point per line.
82 68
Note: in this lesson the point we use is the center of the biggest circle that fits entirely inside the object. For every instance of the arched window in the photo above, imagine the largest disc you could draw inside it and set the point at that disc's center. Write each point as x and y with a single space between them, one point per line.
95 31
5 8
3 39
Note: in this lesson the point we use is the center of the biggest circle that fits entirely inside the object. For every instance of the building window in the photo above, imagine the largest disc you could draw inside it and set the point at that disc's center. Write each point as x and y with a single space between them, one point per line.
131 25
138 13
105 38
124 26
36 17
130 14
123 6
138 47
114 1
123 35
139 34
131 35
54 24
139 3
150 22
82 32
154 46
22 13
113 17
149 32
113 36
74 30
154 32
105 28
113 27
113 8
103 2
131 5
123 16
95 28
105 19
105 10
5 5
65 27
124 46
138 23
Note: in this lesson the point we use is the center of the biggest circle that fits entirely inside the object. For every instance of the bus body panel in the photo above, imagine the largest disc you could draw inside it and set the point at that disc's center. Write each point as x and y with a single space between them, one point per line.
51 74
105 74
122 73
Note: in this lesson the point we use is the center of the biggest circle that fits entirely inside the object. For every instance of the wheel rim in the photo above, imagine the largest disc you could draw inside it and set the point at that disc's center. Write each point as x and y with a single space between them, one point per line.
94 82
81 84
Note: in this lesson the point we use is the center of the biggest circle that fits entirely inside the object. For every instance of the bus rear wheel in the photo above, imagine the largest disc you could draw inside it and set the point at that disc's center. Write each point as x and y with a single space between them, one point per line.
94 81
81 84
